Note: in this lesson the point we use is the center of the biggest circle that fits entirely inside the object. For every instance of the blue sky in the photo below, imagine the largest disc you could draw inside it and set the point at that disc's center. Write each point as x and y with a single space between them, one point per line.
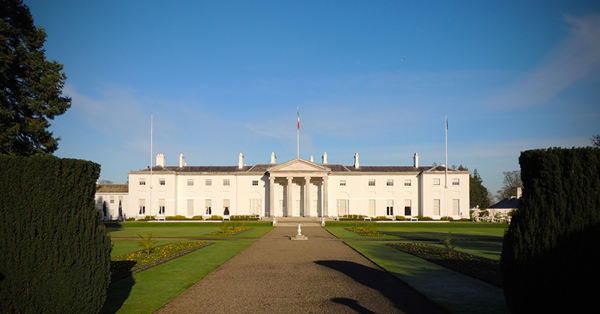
373 77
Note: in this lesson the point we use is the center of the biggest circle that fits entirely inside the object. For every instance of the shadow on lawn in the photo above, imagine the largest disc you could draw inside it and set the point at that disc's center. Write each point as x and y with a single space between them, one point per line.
112 226
119 290
439 236
403 296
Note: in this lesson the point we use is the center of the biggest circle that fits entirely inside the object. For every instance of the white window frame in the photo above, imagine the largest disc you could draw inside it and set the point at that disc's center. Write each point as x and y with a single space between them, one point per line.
161 206
142 204
389 209
190 207
390 182
455 181
112 199
162 181
437 206
342 182
372 182
226 207
436 181
254 182
372 208
190 182
455 207
208 182
407 182
343 207
255 206
226 182
408 207
142 181
208 206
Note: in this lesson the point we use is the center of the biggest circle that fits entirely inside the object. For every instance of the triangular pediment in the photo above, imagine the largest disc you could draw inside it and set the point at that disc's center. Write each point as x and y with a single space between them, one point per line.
298 165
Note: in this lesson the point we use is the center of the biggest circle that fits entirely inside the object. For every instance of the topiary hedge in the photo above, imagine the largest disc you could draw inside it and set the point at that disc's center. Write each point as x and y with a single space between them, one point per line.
54 253
549 256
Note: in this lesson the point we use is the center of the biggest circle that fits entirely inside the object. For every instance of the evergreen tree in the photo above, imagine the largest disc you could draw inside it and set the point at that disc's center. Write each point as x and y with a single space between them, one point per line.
30 85
478 194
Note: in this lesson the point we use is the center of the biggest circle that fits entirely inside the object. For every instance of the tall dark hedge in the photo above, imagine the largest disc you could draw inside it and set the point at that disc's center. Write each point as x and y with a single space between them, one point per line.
550 257
54 253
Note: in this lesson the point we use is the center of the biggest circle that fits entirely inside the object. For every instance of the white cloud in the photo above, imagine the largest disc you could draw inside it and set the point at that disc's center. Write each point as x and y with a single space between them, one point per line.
576 57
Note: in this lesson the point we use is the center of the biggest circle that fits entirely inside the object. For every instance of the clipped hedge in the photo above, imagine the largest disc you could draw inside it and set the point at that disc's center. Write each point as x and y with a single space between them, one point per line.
54 253
549 256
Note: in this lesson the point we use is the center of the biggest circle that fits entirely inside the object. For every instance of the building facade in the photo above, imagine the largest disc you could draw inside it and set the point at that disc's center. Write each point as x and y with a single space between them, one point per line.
297 188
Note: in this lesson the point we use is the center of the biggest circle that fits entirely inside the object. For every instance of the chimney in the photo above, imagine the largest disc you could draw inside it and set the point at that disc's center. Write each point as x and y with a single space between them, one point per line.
273 158
182 161
324 158
160 160
519 193
312 159
416 159
241 162
356 165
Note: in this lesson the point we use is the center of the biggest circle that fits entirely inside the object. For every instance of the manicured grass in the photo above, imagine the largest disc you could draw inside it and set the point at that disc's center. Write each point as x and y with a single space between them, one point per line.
456 292
149 290
131 229
423 230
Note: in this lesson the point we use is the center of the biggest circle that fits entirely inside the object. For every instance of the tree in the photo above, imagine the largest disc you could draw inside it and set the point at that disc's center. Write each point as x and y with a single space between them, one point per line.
595 140
478 194
30 85
512 181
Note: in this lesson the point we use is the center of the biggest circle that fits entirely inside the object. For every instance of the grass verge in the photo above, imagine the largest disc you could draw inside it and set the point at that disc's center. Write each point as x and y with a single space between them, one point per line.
456 292
149 290
131 229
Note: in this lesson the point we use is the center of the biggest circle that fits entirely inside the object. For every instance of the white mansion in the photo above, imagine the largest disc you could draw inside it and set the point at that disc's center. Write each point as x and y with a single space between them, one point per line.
297 187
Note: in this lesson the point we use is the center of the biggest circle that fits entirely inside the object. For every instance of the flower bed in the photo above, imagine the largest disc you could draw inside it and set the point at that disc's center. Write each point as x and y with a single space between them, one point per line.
231 231
366 231
481 268
132 263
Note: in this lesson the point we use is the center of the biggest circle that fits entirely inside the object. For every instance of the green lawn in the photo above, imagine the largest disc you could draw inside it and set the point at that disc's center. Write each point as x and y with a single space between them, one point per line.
431 231
149 290
131 229
456 292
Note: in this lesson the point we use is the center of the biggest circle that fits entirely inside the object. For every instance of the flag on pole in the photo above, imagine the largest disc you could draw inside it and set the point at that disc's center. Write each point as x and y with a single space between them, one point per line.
298 117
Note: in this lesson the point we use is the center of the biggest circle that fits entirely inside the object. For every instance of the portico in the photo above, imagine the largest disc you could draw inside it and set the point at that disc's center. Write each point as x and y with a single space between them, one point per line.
298 188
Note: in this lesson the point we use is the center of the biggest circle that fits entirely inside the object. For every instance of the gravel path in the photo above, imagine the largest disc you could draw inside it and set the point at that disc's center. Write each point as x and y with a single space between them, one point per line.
319 275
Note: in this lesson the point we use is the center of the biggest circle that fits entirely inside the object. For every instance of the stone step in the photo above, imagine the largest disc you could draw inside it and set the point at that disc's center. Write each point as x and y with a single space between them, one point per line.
295 224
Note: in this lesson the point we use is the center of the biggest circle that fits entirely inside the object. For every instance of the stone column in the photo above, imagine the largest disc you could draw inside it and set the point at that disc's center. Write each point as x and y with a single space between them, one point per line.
288 203
307 197
272 196
325 198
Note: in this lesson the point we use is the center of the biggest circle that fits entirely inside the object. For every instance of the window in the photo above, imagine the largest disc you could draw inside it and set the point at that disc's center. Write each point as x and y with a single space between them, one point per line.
208 182
342 182
456 181
371 182
161 181
190 182
390 182
407 208
208 206
436 181
372 208
142 181
190 207
407 182
161 206
455 207
226 207
142 207
225 182
254 182
342 206
112 199
255 206
389 209
436 207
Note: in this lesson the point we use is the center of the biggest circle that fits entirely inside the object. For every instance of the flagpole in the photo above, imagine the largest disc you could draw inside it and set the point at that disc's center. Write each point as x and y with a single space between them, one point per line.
151 130
298 132
446 169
